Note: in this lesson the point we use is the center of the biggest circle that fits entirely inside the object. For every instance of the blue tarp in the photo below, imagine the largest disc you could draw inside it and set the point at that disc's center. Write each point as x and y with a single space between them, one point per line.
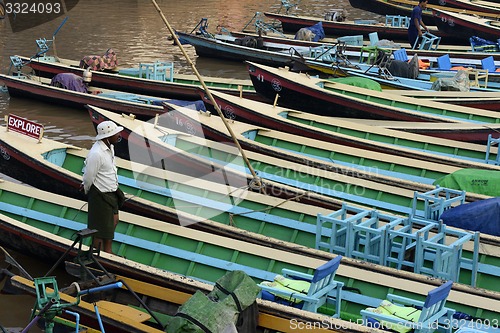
317 30
483 216
196 105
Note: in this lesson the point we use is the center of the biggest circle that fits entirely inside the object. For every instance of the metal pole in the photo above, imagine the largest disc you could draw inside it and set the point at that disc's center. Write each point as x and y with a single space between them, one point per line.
209 94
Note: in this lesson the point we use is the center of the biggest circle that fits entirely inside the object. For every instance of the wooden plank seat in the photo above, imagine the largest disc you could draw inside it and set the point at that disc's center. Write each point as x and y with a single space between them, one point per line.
124 311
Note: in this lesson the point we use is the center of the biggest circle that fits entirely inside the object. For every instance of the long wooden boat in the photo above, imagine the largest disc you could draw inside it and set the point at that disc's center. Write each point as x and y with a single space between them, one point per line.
39 88
335 130
471 5
457 53
293 23
481 100
224 47
37 221
173 198
312 151
423 81
487 28
183 86
404 7
164 273
307 93
393 194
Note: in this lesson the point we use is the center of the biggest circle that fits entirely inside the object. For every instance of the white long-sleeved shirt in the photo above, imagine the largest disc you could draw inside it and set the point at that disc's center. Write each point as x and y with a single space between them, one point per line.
100 168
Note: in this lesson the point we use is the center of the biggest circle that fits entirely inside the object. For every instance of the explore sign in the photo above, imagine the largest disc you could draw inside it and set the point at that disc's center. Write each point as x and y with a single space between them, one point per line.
24 126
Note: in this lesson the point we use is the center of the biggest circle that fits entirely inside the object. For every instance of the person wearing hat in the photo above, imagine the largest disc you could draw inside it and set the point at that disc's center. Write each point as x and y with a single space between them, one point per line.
100 183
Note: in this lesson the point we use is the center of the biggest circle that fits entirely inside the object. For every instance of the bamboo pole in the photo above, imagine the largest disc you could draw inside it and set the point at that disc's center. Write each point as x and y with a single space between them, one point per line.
209 94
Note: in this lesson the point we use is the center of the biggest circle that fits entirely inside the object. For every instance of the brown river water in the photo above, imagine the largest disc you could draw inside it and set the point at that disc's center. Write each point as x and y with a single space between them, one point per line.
135 30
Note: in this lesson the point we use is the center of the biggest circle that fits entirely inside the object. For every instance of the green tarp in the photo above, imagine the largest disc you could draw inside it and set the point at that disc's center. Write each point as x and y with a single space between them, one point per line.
358 82
479 181
217 310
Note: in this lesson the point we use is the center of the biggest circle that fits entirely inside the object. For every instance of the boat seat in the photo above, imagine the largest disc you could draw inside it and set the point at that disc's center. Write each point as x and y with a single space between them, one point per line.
478 77
161 71
305 291
488 63
491 142
436 201
400 55
432 310
428 42
397 21
441 255
444 64
369 54
123 310
373 36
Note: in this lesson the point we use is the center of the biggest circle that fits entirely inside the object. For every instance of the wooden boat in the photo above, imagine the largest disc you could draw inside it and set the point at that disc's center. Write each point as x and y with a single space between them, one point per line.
154 194
394 194
480 100
331 129
40 88
457 53
487 28
404 7
292 23
306 93
224 47
149 251
471 5
310 151
162 284
182 86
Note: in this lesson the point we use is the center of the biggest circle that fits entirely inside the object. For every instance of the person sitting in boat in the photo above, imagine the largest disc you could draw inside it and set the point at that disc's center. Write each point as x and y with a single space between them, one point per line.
416 24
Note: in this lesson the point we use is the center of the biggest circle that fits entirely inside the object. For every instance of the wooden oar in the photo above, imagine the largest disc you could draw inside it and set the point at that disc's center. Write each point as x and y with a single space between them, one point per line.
209 94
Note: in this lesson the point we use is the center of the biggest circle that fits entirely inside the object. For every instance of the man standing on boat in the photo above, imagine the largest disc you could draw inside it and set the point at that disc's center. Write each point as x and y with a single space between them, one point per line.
100 183
416 24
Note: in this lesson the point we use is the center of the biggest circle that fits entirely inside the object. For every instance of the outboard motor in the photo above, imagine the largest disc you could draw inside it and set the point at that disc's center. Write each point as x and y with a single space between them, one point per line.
87 76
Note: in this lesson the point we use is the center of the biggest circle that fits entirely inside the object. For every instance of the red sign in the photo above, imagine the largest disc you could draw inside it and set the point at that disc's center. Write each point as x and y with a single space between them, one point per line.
24 126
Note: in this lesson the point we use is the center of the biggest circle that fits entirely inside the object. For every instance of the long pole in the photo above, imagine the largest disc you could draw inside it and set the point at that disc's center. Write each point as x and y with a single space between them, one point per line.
209 94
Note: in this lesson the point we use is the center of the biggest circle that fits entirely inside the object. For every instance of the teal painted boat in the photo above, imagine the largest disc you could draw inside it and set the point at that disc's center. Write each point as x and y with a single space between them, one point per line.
306 93
313 152
160 194
359 133
370 189
31 217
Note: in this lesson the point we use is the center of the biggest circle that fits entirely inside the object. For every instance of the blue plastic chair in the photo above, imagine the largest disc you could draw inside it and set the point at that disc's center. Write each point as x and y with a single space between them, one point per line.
433 309
400 55
489 64
322 287
444 62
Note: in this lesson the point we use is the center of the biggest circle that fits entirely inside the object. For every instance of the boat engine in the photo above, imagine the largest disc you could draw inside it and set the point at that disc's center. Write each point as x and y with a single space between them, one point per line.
337 15
87 76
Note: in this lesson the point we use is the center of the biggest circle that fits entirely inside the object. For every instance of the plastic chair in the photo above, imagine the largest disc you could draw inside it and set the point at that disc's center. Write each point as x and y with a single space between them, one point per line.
400 55
489 64
321 287
444 64
373 38
428 42
433 309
